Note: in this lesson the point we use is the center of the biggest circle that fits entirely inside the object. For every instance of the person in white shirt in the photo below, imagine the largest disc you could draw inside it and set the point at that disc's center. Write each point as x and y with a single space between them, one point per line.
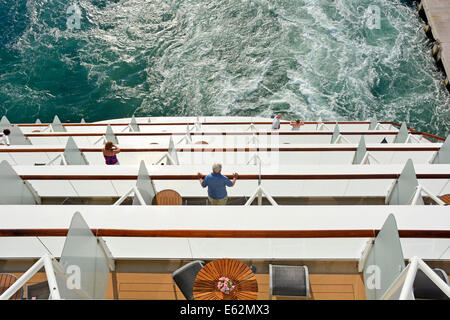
276 122
5 138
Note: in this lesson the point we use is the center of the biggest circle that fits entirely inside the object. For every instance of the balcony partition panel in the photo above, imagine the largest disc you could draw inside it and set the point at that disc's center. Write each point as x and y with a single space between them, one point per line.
84 262
384 262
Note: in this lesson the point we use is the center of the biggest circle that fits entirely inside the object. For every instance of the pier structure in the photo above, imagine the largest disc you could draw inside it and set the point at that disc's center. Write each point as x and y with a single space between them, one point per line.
436 14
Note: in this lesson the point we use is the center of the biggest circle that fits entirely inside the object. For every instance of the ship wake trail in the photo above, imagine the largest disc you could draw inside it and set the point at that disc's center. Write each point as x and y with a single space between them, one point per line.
304 58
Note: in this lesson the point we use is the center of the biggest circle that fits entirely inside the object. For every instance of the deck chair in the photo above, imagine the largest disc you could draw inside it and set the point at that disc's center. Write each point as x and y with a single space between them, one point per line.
38 291
184 277
289 281
6 281
424 288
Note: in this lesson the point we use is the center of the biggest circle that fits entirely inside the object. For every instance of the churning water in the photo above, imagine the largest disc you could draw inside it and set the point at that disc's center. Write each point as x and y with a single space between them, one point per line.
305 58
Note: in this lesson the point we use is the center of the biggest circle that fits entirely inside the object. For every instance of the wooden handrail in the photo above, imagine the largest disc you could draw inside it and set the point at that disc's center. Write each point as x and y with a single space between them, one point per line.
360 233
108 176
419 132
232 149
227 133
228 123
189 123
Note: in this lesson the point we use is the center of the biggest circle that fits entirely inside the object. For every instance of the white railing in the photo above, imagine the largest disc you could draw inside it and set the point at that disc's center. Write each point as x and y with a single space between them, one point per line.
367 157
406 279
133 190
260 191
48 263
418 195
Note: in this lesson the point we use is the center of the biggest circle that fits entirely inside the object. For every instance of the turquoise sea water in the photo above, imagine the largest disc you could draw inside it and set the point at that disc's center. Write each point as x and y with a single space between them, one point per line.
305 58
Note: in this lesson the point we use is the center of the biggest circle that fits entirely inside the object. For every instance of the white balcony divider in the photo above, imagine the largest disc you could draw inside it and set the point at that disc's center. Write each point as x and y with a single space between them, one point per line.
406 279
361 152
133 125
380 126
413 137
433 156
145 186
143 192
5 124
56 125
337 137
187 137
108 136
255 159
171 155
368 157
14 190
383 260
252 140
365 254
251 127
406 190
402 135
320 126
86 259
443 155
59 156
71 155
135 193
17 137
373 124
198 124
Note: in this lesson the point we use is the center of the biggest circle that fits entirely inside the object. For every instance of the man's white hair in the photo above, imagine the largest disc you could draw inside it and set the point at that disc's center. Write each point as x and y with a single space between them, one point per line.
216 168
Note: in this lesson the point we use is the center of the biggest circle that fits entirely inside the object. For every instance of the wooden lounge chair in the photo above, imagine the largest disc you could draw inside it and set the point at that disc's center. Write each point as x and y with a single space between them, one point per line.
6 281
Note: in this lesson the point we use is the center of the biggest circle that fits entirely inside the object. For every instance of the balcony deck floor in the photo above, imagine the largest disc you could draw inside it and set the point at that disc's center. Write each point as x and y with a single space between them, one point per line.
156 286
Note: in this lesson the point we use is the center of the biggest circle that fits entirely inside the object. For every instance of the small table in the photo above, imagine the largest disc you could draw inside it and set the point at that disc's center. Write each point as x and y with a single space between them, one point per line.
205 285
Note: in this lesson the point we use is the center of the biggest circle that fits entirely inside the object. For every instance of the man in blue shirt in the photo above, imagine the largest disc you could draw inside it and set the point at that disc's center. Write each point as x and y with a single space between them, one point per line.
217 183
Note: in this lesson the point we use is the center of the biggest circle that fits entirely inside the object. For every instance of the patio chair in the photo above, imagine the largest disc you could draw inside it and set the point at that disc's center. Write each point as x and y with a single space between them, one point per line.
184 277
38 291
424 288
6 281
167 198
289 281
